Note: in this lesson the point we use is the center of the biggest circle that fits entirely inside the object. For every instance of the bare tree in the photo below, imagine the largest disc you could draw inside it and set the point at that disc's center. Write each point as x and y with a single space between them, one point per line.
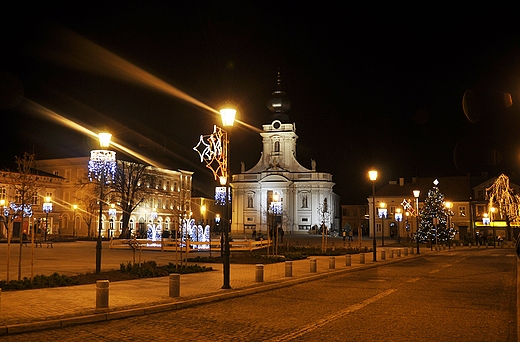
501 195
26 187
131 185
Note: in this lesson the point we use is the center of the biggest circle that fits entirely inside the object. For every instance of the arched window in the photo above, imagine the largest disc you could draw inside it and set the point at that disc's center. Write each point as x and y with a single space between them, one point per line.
277 146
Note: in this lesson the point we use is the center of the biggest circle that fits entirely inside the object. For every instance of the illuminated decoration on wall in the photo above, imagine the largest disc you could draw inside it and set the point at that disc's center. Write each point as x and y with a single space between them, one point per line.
195 232
18 209
212 150
408 207
102 162
220 195
276 208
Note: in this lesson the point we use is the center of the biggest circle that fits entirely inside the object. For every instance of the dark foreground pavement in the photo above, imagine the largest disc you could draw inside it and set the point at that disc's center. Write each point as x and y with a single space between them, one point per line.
30 310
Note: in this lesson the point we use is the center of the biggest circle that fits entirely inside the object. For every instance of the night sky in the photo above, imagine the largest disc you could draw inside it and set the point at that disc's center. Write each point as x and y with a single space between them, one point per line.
368 90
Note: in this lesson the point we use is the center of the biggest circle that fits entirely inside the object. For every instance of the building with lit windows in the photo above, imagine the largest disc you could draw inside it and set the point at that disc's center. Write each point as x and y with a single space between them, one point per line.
167 203
467 195
47 186
278 192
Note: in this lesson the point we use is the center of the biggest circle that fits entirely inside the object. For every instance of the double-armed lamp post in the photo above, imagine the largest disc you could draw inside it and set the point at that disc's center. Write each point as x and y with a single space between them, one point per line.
102 167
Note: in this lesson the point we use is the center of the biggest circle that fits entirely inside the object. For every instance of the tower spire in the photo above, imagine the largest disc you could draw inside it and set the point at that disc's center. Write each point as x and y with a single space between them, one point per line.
279 104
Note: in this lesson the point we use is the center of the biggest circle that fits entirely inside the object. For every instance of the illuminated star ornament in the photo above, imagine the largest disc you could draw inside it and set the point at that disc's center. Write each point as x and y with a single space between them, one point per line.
212 150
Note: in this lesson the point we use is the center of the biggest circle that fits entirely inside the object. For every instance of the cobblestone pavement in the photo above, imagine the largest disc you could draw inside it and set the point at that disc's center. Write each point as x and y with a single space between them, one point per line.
30 310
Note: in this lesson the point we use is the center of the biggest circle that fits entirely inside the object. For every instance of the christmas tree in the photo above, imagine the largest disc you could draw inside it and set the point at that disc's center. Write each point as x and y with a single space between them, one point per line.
434 218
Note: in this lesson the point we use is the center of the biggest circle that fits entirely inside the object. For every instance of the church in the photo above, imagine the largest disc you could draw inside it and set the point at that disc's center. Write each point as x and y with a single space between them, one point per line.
278 193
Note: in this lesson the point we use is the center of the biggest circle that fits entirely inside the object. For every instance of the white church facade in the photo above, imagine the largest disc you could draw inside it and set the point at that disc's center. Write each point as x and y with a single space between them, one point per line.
278 191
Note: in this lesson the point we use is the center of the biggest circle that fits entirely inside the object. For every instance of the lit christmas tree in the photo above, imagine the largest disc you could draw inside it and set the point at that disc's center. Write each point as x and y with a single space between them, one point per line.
434 218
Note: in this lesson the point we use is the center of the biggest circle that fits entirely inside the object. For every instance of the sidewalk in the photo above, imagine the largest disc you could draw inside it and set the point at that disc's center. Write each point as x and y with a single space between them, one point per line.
29 310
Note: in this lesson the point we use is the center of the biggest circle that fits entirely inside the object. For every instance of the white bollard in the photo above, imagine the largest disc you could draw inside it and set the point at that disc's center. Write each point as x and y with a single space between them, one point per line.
313 265
288 268
174 285
259 273
332 262
102 287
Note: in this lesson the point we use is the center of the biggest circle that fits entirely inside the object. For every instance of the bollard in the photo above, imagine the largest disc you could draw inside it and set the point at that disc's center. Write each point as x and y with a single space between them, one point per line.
175 285
399 253
332 262
102 295
361 258
412 251
259 273
348 260
383 255
288 268
405 251
313 265
392 254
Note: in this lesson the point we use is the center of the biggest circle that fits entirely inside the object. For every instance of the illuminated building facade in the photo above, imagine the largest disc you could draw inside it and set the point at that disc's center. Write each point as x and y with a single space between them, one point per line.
278 191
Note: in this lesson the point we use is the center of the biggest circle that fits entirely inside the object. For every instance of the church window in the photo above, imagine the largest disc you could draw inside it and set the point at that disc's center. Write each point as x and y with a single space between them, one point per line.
277 146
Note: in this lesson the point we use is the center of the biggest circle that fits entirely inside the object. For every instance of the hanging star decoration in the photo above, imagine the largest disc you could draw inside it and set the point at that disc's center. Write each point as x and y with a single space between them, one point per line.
212 149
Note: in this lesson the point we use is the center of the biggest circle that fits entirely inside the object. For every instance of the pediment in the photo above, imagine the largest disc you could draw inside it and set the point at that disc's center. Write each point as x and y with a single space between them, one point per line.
274 178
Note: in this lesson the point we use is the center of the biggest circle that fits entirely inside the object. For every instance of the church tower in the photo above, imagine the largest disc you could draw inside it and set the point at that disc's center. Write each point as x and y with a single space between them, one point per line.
279 193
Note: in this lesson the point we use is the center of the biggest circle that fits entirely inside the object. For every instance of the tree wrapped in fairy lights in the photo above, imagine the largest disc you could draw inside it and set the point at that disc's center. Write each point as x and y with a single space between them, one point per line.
434 218
500 195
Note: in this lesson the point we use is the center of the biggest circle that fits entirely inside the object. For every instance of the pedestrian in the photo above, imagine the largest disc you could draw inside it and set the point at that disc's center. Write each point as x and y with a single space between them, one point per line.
254 234
350 236
344 235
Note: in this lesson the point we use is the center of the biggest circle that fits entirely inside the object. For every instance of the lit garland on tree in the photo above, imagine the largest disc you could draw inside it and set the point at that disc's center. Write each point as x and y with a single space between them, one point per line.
434 218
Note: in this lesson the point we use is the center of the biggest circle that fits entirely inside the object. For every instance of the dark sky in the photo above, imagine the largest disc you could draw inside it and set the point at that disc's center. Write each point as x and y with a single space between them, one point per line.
368 89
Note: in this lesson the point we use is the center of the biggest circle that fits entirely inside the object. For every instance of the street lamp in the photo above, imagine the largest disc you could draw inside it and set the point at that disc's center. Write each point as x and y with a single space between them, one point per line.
373 177
448 206
416 194
228 119
383 213
398 217
47 208
102 167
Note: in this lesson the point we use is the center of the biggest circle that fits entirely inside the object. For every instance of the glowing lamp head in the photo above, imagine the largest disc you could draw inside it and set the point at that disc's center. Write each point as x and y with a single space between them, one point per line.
382 205
416 193
448 205
228 116
104 139
372 175
223 180
47 199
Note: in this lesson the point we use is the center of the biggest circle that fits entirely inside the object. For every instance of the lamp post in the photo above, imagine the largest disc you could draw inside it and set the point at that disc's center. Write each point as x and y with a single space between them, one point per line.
101 166
228 119
448 206
383 213
398 217
416 194
373 177
493 210
47 208
74 208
